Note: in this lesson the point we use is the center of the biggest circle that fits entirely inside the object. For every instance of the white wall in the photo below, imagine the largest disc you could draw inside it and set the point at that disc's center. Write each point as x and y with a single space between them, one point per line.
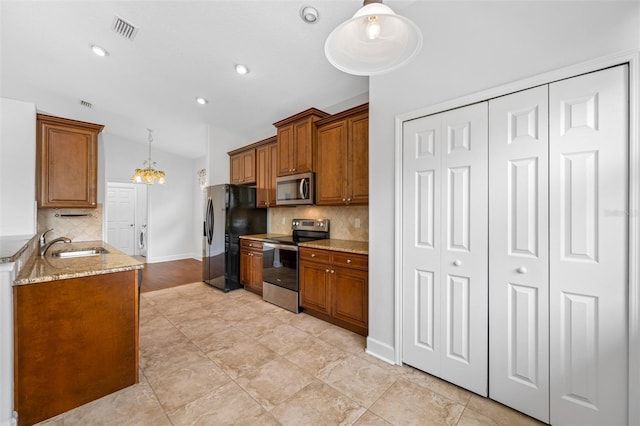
170 206
469 47
221 142
198 206
17 167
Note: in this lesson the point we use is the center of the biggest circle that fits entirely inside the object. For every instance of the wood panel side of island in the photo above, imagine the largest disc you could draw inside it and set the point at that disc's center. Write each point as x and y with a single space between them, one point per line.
75 340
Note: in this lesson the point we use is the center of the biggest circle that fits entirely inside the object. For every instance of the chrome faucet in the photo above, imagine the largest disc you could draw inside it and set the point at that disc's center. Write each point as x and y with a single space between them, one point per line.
43 246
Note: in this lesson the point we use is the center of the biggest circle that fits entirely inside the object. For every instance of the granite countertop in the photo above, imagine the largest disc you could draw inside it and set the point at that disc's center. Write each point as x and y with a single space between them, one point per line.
349 246
48 268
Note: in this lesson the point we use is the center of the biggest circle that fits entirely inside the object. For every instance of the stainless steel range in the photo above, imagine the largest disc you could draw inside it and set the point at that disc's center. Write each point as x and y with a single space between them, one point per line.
280 271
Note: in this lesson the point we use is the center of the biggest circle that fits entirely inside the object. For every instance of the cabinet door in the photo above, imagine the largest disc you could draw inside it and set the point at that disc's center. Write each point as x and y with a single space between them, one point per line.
67 159
236 169
249 166
245 267
303 146
285 150
349 290
332 161
358 160
314 287
242 167
273 174
263 175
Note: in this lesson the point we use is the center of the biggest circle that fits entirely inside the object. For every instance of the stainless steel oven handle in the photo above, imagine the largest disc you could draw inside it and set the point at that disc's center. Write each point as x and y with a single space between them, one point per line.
280 246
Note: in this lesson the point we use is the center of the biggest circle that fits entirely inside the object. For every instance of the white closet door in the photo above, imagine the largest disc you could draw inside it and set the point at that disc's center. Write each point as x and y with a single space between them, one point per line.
518 250
588 171
421 158
445 261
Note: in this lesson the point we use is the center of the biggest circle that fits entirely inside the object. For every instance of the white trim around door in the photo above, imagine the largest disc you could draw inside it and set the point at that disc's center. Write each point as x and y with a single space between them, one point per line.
633 60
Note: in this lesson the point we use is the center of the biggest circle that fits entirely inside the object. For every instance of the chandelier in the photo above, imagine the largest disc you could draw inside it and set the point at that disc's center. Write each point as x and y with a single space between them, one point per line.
149 174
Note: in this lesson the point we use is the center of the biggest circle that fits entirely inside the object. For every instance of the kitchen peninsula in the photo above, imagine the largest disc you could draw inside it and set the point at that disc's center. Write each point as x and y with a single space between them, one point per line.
75 328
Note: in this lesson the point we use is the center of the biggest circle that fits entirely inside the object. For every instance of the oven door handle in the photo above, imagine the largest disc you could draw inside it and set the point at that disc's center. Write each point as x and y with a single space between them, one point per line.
280 246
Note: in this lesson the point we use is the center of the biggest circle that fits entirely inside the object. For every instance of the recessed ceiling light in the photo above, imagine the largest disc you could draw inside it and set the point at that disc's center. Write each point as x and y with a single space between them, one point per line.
309 15
100 51
241 69
201 100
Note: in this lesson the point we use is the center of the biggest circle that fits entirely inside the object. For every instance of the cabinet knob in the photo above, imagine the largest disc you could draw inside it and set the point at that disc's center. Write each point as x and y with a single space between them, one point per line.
521 270
326 270
344 199
313 255
457 262
348 200
348 260
333 272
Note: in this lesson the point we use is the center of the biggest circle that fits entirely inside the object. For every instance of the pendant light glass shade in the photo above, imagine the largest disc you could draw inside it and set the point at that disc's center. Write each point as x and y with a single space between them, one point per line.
374 41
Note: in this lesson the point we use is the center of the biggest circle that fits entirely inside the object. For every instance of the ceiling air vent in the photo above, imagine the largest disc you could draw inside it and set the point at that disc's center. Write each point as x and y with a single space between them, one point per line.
86 104
124 28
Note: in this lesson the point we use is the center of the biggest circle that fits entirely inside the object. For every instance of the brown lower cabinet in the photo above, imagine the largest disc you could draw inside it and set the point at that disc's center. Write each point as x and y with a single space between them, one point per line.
75 340
334 286
251 265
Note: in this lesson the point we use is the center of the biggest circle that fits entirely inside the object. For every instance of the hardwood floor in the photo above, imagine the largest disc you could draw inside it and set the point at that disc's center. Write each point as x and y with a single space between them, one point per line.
156 276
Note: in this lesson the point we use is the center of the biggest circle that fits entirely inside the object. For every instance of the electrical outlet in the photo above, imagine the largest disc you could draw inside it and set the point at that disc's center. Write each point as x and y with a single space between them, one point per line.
283 220
357 223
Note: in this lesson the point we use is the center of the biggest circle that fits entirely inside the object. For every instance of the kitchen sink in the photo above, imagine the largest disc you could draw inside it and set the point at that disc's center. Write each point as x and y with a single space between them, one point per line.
80 252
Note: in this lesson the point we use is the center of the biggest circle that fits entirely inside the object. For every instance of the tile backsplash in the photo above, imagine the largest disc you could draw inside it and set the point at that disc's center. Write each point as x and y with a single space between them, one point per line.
77 224
343 220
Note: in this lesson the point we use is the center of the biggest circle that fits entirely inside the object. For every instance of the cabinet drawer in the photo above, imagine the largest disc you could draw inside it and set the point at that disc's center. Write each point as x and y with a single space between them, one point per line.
322 256
350 260
250 245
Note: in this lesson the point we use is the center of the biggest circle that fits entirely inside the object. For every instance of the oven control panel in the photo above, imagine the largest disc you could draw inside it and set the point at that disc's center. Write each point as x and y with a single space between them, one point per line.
310 225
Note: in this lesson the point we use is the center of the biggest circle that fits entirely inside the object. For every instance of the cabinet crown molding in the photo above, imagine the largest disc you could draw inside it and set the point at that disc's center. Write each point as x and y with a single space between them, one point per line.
69 122
301 115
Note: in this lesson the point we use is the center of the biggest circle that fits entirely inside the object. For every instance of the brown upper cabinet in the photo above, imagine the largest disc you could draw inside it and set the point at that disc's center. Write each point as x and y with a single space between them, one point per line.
67 162
266 166
343 158
297 142
243 166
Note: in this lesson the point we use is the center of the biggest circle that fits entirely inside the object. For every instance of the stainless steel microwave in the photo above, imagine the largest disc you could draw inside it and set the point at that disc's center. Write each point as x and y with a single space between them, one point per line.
295 189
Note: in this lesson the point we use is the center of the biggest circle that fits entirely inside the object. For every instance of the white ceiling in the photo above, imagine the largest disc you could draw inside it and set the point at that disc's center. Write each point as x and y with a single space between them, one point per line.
183 49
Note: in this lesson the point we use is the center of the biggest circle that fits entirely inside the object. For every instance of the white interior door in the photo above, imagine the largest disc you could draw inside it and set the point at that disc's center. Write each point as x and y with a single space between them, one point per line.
121 214
519 252
445 264
588 207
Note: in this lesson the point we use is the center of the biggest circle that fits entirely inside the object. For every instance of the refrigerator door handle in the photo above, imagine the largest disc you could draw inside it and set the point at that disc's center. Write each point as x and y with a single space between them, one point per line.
209 221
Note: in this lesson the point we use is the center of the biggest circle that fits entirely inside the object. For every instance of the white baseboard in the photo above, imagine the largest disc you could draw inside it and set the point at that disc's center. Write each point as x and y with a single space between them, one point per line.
381 350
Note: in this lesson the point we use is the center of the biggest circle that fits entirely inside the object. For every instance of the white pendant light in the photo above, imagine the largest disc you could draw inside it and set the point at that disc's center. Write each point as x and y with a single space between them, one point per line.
375 41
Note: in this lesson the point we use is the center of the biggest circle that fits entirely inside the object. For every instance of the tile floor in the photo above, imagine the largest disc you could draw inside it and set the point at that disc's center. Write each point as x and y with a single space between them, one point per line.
210 358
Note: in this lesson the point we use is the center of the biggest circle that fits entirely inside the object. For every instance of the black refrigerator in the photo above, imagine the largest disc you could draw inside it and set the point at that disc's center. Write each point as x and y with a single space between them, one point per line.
230 211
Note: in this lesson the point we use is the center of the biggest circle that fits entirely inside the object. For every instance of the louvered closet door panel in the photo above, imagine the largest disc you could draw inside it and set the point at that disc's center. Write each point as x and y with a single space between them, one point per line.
421 252
519 253
445 246
588 248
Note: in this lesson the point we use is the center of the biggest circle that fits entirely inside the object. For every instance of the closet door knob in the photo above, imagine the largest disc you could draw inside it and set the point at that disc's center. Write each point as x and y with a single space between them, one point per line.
457 262
521 270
